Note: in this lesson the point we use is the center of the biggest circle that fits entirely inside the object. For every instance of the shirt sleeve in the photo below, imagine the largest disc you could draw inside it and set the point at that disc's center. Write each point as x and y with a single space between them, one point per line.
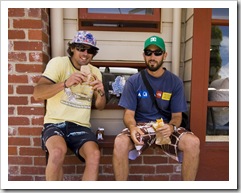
54 70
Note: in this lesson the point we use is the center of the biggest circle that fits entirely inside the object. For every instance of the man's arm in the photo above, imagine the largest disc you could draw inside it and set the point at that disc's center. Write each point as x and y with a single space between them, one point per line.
129 121
46 89
176 119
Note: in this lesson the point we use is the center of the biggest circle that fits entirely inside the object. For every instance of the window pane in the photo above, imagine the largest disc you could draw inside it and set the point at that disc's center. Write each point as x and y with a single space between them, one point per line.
114 79
220 13
218 117
219 53
137 11
218 121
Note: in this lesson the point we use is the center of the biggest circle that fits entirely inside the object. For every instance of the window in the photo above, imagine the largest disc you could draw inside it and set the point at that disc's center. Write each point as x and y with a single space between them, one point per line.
114 79
120 19
218 91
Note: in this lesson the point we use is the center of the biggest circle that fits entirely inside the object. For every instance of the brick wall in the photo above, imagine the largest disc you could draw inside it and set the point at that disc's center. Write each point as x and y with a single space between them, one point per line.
29 52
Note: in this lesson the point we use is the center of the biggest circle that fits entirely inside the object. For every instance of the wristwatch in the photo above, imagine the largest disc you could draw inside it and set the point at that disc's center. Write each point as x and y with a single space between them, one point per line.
174 127
101 93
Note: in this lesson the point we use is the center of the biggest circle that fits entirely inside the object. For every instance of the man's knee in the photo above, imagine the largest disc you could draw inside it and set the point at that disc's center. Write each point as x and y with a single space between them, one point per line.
121 143
57 154
189 142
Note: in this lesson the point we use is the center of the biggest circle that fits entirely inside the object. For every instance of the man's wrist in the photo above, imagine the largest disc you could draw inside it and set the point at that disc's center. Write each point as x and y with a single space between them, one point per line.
101 93
174 127
65 86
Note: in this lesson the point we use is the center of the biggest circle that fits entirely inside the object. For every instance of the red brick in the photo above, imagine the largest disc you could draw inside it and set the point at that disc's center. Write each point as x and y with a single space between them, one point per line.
24 89
28 45
37 140
20 178
35 57
71 159
35 78
28 68
69 169
27 23
176 177
31 131
106 159
32 170
38 35
18 121
45 15
11 110
12 12
17 78
34 12
16 34
164 169
37 120
30 110
35 34
13 170
12 100
18 141
142 169
12 150
154 159
10 89
17 56
20 160
40 161
30 151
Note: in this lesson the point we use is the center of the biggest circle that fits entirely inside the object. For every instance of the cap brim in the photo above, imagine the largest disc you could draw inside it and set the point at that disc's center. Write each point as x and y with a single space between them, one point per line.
71 42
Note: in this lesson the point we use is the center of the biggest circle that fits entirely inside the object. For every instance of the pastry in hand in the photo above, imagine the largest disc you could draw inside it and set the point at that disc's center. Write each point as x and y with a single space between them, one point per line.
160 140
86 70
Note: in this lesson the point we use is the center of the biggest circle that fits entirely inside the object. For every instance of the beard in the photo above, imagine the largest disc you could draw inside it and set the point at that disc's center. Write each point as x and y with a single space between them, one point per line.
153 65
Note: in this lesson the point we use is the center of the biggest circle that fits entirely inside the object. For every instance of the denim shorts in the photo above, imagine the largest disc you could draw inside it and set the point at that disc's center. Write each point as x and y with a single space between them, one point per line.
74 135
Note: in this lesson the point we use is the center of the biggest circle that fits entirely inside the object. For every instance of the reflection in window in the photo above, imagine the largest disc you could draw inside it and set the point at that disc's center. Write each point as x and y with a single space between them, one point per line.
114 79
218 91
220 13
219 53
218 121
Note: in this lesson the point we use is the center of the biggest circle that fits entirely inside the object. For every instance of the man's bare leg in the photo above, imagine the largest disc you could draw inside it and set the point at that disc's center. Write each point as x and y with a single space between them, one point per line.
120 160
57 149
190 145
91 153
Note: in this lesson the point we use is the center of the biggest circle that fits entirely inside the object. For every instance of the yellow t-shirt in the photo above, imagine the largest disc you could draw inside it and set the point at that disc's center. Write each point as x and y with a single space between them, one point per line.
71 104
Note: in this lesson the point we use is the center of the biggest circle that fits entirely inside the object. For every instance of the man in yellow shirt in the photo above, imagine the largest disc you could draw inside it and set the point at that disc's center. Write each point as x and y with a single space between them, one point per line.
69 84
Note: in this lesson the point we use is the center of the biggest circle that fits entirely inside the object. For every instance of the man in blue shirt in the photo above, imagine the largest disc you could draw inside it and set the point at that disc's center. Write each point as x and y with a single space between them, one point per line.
141 112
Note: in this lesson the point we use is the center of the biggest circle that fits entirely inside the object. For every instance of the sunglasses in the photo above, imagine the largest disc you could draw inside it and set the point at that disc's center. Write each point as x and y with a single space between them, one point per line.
89 50
156 52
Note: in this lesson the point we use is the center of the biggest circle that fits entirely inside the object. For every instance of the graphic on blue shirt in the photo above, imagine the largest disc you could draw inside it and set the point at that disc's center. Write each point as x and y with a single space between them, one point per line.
142 94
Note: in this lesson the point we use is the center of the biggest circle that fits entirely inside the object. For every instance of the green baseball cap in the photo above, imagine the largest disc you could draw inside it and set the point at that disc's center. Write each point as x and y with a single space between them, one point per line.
155 40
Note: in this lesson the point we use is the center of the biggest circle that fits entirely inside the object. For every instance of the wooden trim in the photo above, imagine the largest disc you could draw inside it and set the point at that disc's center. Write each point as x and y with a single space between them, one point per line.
84 15
123 19
218 104
118 64
220 22
200 71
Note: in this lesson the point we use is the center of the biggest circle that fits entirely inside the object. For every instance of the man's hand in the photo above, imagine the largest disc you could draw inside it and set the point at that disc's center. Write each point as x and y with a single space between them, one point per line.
136 133
75 79
166 130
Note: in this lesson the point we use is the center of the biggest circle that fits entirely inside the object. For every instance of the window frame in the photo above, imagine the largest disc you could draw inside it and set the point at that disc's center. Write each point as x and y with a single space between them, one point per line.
83 16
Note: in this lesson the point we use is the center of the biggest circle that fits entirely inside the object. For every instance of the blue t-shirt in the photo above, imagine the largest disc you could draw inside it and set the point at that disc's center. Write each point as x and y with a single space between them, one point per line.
169 93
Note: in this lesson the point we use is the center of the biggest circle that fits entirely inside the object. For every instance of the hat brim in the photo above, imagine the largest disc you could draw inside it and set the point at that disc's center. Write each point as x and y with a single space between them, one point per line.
71 42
